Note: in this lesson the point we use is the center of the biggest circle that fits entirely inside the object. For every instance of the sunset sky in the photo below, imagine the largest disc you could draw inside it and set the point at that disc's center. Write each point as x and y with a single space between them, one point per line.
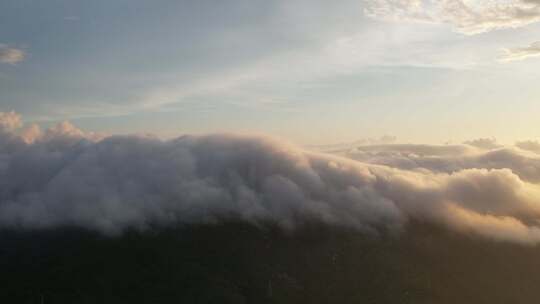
310 71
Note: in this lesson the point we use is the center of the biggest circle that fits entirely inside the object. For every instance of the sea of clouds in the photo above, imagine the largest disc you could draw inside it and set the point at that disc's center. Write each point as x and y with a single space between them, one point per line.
65 177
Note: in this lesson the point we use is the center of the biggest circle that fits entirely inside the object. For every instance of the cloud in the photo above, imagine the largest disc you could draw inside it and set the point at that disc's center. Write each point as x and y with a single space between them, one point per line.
529 145
467 17
116 183
385 139
11 55
9 121
398 10
450 158
521 53
483 143
14 132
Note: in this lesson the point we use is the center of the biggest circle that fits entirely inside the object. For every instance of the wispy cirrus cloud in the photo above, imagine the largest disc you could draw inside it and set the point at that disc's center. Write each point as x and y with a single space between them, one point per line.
468 17
11 55
521 53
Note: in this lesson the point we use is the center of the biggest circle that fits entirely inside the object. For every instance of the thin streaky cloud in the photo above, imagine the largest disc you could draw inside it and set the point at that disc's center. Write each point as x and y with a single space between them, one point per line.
466 17
521 53
11 55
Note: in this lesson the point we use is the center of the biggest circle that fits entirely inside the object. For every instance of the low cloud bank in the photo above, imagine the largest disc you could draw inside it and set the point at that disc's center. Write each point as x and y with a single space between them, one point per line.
522 159
66 177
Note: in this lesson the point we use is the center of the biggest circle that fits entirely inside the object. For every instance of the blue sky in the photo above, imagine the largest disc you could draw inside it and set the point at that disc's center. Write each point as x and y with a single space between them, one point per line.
310 71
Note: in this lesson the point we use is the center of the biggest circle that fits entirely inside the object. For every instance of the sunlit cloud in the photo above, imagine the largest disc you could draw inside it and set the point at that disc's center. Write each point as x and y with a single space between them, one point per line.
452 158
483 143
521 53
11 55
464 16
10 121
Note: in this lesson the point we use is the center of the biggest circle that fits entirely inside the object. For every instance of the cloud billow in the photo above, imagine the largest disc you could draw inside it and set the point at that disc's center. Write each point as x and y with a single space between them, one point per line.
67 178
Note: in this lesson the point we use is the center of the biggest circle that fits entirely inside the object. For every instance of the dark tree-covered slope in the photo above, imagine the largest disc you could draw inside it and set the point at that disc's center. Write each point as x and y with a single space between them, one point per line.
239 263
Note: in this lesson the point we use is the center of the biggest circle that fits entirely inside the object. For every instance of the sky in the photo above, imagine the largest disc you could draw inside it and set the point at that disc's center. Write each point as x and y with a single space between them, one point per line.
313 71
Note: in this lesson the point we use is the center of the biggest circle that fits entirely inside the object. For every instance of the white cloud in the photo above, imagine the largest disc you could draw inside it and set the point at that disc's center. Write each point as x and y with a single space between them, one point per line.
11 55
135 182
452 158
483 143
465 16
521 53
